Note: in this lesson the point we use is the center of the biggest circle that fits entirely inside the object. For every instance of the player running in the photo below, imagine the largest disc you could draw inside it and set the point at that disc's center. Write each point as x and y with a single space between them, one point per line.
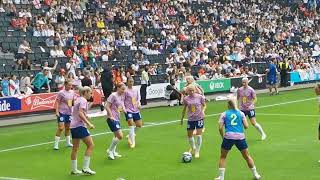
115 105
79 123
272 77
247 97
234 121
133 116
195 103
64 103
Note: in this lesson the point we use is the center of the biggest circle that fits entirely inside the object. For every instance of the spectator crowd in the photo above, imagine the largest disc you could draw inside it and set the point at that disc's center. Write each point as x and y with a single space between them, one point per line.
205 39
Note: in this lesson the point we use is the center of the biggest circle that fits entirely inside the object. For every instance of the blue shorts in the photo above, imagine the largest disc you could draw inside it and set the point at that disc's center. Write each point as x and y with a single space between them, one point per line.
250 114
63 118
114 125
228 143
134 116
79 132
272 81
192 125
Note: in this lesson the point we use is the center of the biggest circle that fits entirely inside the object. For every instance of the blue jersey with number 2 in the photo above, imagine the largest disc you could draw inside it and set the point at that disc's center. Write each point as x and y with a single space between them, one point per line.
233 121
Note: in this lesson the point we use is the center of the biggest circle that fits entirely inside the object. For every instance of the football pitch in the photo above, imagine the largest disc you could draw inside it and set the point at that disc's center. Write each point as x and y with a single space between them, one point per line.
290 152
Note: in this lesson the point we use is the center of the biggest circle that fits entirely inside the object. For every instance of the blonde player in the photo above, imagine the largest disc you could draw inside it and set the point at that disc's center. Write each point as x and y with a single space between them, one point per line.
195 104
190 81
247 97
64 103
233 121
133 116
79 131
198 89
115 105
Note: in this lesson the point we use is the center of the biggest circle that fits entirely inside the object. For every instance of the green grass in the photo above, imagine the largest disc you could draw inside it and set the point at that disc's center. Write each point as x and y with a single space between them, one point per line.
290 152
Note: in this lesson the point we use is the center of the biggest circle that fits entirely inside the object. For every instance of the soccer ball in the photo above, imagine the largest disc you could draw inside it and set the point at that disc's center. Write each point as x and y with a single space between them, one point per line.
186 157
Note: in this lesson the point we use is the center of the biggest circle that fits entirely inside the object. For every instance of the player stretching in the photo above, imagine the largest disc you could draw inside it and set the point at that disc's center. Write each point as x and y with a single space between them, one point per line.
64 105
195 103
115 104
234 121
133 116
79 131
247 97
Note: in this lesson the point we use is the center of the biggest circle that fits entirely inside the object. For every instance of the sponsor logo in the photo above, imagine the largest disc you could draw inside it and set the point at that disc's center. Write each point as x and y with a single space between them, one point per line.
156 91
28 101
39 102
10 104
4 106
213 85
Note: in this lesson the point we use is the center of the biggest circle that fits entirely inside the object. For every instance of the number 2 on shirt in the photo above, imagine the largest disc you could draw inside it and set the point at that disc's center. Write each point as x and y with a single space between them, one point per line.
233 120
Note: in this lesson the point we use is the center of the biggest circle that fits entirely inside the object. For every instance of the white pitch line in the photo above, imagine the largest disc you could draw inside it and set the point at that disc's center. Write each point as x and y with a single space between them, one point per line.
97 134
11 178
301 115
289 102
150 125
272 105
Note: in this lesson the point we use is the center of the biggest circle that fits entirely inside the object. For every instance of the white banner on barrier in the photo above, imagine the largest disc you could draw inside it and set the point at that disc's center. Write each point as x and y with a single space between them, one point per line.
155 90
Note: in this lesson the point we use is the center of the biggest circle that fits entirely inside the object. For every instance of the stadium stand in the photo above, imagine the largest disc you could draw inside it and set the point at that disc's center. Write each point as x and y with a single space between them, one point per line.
206 39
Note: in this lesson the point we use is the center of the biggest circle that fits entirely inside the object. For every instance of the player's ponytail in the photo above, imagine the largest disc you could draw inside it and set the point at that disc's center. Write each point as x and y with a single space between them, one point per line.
119 85
83 90
67 82
232 104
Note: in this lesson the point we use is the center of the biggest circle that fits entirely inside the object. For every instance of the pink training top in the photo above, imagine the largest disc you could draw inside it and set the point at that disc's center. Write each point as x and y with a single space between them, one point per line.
117 105
80 103
195 105
65 100
233 135
246 96
132 100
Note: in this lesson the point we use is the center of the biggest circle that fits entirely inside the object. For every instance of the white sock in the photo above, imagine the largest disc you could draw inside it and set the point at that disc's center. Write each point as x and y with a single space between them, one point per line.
74 165
199 142
254 171
68 140
86 162
221 173
113 144
192 143
56 140
131 133
259 128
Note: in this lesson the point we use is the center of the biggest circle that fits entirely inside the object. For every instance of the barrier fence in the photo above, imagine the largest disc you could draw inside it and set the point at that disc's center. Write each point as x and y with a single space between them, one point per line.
36 103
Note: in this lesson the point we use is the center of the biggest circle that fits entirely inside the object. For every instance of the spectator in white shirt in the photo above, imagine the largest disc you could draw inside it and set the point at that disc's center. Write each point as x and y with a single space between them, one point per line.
25 84
57 52
14 86
37 32
50 69
60 79
71 67
105 57
2 9
133 46
23 49
50 41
